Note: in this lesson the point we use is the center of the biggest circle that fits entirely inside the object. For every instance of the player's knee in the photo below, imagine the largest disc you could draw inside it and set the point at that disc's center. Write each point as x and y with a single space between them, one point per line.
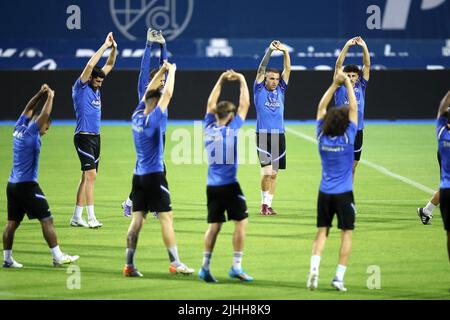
267 171
242 224
11 226
90 175
214 228
46 221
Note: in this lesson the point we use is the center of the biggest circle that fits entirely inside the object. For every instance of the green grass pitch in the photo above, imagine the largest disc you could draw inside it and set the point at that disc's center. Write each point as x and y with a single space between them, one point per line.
412 258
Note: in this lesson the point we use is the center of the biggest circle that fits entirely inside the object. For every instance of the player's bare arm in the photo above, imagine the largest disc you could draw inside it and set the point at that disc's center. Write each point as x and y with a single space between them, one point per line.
265 61
215 93
28 110
43 117
168 88
109 65
366 58
95 59
341 57
244 98
286 62
156 80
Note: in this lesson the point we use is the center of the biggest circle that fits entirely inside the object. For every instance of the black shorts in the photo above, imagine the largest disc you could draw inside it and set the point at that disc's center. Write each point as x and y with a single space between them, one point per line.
26 197
342 204
228 197
88 150
151 193
271 149
444 200
358 144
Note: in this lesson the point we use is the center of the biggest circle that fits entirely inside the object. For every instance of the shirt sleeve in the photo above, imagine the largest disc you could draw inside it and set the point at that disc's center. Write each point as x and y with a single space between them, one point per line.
440 123
258 86
209 118
363 82
154 118
23 120
33 128
283 85
319 127
351 132
237 122
79 85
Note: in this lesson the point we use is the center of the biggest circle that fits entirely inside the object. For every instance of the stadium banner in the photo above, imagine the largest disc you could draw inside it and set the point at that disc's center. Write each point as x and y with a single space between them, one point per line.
401 34
391 94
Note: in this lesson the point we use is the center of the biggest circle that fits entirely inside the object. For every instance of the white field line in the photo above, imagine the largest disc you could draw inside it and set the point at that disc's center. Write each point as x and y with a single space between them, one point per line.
377 167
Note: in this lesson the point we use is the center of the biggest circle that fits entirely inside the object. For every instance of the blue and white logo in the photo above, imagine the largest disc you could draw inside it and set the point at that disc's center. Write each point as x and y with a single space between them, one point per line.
170 16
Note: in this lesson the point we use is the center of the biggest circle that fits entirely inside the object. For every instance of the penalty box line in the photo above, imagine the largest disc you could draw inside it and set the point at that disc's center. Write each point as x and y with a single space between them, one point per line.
372 165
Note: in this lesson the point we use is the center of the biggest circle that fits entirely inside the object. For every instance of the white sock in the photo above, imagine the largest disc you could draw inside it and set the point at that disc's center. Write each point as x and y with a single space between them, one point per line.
315 262
77 212
128 202
90 212
269 199
340 271
429 208
173 256
56 252
237 260
206 260
7 255
264 195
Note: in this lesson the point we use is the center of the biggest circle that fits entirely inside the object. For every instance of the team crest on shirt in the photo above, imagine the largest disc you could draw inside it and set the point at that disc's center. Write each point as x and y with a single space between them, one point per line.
96 103
272 100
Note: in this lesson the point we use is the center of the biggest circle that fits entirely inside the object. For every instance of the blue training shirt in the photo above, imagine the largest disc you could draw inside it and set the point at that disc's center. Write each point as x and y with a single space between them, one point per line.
337 158
148 141
88 107
443 138
269 107
341 98
26 150
221 149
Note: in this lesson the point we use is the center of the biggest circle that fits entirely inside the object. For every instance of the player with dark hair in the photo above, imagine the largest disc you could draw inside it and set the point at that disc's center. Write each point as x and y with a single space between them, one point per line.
24 194
359 80
222 124
269 91
443 138
336 131
87 105
154 39
150 191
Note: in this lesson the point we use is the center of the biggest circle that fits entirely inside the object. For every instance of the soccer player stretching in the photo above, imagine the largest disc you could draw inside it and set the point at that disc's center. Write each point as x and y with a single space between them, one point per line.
336 131
359 80
222 124
426 213
87 104
150 190
269 90
443 137
154 38
23 192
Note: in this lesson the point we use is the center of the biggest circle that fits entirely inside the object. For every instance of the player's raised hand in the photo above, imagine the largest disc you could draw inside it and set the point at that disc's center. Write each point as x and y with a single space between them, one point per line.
360 42
44 88
109 40
351 42
235 76
280 46
340 78
274 45
114 43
